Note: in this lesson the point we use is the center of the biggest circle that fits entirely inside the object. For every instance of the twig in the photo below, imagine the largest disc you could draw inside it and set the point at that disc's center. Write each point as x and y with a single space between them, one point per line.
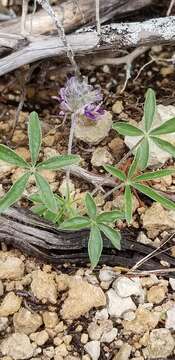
172 2
143 67
97 12
23 17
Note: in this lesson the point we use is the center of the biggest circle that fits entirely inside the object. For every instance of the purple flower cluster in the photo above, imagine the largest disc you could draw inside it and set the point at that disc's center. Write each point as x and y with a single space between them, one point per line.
79 98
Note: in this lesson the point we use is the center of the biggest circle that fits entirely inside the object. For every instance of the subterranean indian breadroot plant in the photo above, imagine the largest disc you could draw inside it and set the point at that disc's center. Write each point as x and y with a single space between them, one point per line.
79 98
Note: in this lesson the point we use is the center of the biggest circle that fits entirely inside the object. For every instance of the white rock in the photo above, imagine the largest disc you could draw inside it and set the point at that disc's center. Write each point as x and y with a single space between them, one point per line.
93 349
92 132
117 306
125 287
172 283
109 336
124 352
157 156
160 344
170 320
143 239
107 274
3 323
101 156
101 314
18 346
12 268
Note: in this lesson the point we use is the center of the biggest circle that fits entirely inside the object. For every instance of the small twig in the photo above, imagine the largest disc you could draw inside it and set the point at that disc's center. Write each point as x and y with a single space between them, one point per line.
23 17
149 272
97 12
143 67
172 3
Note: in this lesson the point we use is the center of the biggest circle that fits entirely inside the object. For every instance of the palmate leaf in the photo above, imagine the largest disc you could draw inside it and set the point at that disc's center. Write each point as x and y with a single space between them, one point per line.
135 164
95 245
11 157
115 172
127 129
75 223
154 175
164 145
113 235
46 193
58 162
149 109
166 128
35 136
154 195
90 206
110 216
15 192
128 203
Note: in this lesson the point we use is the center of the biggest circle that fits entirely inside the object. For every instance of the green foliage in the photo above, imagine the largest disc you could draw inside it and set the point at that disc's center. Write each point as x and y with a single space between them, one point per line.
55 163
148 134
97 223
134 181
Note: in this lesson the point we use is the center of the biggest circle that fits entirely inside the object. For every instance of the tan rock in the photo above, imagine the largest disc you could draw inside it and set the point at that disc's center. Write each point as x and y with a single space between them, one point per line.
26 322
19 137
40 338
160 344
23 152
62 281
157 219
5 169
1 288
10 304
156 294
43 286
101 156
145 320
93 132
124 352
117 107
12 268
82 297
61 350
17 346
117 147
50 319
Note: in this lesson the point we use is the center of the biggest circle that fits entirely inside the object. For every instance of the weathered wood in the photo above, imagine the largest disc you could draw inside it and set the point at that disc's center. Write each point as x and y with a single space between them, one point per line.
114 36
24 230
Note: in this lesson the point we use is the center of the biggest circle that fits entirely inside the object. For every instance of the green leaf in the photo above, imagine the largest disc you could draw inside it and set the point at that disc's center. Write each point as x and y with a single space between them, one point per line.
143 154
149 109
58 162
164 145
46 193
115 172
110 216
15 192
10 156
154 175
35 198
135 164
113 235
90 205
127 129
35 136
155 196
39 209
128 204
166 128
95 245
76 223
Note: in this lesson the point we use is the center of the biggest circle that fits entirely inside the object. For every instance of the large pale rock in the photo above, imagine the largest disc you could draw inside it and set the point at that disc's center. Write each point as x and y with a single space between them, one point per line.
81 298
157 156
26 322
170 320
157 219
18 346
124 352
92 132
10 304
117 306
12 268
101 156
125 287
93 349
43 286
145 320
160 344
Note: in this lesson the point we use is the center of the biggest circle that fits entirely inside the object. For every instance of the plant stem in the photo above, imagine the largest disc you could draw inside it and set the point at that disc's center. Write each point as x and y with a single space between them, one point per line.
69 150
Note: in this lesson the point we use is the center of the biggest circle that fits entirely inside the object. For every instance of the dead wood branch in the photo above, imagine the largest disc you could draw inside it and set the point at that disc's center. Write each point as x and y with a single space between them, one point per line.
22 229
114 36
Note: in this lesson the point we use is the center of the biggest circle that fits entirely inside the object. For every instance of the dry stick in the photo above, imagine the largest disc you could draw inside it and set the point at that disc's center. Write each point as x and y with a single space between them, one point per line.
172 3
149 256
97 12
23 16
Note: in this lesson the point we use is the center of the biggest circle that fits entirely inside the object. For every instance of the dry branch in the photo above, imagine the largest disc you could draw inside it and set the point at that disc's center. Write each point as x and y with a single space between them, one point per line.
24 230
114 36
